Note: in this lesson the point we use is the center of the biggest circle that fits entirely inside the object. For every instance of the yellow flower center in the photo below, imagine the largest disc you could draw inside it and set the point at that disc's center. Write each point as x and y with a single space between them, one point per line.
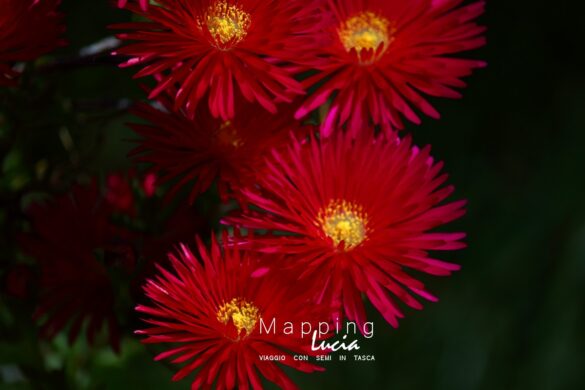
345 222
243 314
366 30
227 135
227 23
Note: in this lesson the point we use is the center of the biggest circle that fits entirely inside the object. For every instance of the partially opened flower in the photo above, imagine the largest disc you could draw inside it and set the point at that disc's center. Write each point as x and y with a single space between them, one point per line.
73 240
198 151
383 56
212 305
354 215
211 49
28 29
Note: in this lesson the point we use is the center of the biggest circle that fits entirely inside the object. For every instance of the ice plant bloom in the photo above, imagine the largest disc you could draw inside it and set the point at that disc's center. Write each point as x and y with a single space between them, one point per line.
359 213
383 56
72 238
210 49
28 29
211 306
200 150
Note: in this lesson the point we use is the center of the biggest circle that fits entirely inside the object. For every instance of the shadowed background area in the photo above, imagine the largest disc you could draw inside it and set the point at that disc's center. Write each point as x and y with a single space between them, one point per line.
512 318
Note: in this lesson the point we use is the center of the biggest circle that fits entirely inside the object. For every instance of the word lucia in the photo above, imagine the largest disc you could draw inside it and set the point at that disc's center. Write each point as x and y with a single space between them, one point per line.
320 330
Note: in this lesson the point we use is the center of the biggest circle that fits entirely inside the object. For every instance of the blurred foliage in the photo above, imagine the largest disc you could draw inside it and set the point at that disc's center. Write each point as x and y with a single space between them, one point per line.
513 318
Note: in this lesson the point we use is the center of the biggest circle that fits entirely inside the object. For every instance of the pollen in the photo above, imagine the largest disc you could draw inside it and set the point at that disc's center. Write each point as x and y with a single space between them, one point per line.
227 135
345 222
227 24
366 30
241 313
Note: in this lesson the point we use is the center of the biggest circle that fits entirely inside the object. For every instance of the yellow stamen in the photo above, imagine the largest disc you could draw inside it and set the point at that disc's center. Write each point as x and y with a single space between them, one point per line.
227 23
227 135
366 30
345 222
243 314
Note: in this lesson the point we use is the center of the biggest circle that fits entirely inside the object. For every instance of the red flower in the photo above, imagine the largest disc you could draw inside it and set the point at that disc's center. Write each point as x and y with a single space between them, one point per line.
206 148
143 4
213 48
212 306
381 56
68 233
28 29
358 213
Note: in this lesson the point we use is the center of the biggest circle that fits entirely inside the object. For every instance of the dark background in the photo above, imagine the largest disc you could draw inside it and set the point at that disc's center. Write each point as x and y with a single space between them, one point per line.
513 318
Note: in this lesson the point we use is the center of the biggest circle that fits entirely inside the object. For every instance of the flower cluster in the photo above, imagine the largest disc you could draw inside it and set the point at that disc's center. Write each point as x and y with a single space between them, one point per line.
291 110
340 202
